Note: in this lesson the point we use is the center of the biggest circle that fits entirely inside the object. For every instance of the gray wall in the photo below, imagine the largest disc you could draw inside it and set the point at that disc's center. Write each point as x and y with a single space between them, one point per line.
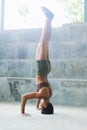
68 55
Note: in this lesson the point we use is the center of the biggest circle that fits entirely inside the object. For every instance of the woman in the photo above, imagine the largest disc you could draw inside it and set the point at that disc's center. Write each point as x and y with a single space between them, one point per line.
43 67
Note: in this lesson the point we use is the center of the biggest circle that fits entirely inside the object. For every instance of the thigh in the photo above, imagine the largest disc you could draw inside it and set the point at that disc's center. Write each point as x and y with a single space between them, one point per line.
42 51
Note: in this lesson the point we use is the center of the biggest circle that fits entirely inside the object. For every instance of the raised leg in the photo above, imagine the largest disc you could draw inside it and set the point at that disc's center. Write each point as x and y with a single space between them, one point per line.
42 52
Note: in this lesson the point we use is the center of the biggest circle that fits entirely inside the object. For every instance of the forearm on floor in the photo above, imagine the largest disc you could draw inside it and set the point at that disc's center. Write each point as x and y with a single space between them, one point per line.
37 103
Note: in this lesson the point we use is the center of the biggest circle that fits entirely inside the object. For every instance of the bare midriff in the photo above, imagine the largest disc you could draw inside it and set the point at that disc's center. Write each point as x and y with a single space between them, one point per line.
40 79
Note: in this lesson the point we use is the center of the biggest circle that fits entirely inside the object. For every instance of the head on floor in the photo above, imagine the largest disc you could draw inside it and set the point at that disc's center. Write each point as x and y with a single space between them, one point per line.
48 110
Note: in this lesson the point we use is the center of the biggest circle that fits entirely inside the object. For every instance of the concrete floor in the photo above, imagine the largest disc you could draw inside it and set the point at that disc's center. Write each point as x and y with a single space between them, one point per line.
64 118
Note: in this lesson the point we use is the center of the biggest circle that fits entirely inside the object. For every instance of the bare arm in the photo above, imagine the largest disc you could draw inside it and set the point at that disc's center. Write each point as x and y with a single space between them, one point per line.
38 103
29 96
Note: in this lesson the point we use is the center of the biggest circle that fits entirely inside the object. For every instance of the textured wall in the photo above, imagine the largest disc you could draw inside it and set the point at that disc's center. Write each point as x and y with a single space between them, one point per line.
68 55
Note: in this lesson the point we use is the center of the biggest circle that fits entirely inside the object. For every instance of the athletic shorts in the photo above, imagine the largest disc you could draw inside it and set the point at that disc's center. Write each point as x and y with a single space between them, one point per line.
43 67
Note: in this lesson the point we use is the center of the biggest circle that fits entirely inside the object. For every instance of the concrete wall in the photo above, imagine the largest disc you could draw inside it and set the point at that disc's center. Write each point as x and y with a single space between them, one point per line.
68 55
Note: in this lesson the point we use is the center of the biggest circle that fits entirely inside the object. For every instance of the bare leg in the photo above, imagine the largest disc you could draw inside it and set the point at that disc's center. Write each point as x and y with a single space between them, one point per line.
42 52
42 49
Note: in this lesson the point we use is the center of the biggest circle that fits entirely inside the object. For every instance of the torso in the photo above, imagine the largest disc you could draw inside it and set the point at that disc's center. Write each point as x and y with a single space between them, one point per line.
40 79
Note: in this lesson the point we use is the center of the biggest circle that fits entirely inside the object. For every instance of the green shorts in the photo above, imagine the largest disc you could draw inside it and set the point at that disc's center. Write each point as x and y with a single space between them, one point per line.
43 67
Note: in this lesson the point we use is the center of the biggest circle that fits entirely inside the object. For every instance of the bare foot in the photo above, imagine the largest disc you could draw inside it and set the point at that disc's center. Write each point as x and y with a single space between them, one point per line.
48 13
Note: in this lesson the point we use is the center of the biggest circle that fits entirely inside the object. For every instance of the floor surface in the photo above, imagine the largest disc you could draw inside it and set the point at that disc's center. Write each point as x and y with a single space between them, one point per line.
64 118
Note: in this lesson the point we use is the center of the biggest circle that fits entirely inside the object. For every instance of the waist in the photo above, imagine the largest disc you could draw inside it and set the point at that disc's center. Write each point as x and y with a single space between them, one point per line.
40 79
